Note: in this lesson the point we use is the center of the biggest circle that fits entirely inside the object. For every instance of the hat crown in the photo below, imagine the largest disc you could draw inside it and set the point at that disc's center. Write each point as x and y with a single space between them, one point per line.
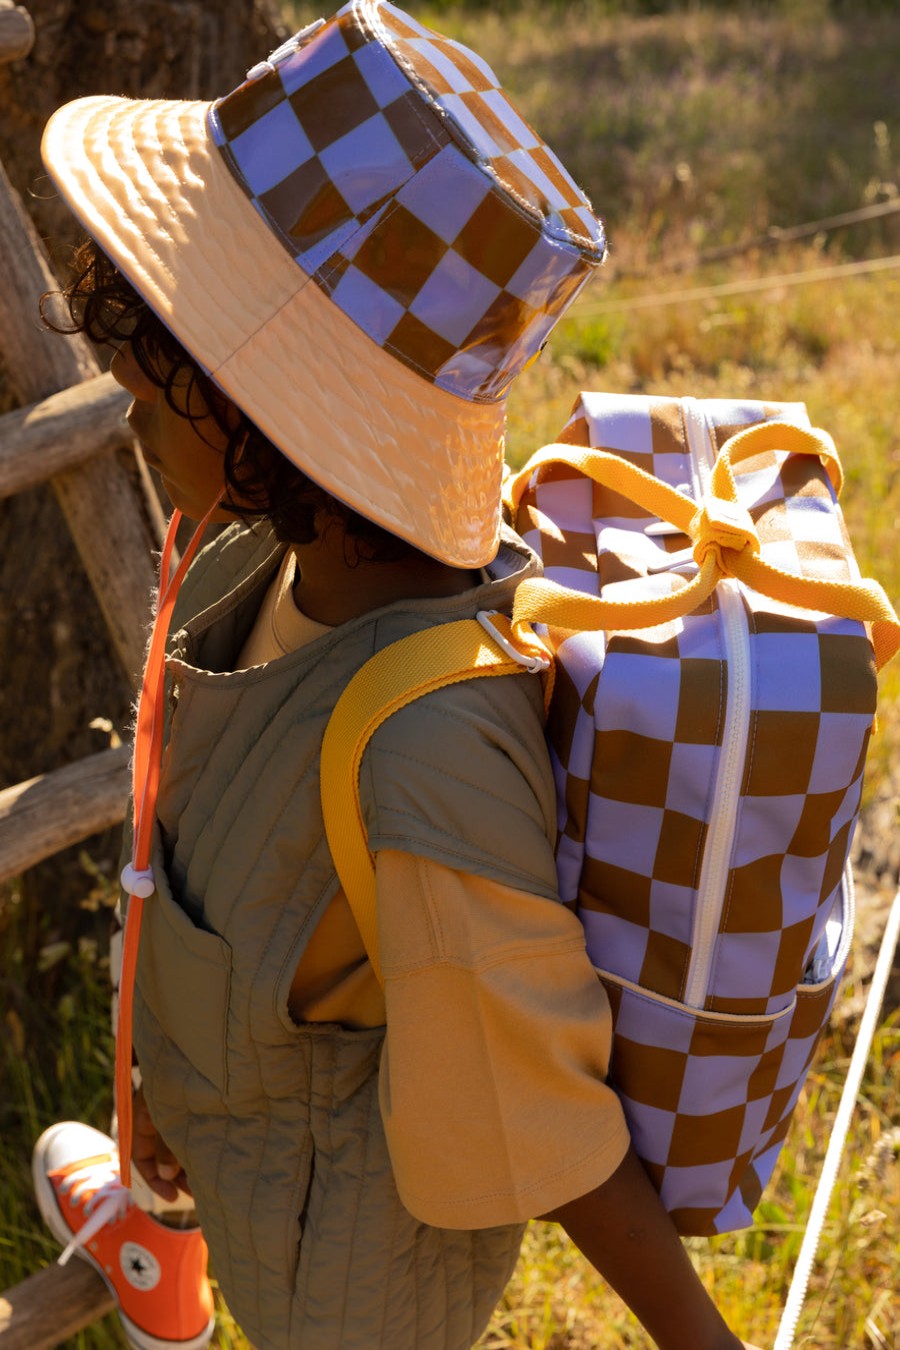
396 172
464 89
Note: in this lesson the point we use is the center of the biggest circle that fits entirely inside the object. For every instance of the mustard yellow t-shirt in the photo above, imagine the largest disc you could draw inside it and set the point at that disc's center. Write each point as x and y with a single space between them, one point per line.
498 1031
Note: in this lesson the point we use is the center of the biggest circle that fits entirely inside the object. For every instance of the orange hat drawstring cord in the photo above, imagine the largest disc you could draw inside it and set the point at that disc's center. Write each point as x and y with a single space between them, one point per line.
137 876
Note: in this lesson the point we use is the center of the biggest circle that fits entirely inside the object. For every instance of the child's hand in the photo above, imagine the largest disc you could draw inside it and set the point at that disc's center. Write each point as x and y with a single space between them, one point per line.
152 1156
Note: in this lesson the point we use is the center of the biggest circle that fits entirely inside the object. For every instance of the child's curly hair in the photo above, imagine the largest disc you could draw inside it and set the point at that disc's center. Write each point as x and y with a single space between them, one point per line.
104 306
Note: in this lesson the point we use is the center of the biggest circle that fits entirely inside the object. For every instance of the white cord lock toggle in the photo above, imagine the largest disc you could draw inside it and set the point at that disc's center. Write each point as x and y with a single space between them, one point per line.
138 881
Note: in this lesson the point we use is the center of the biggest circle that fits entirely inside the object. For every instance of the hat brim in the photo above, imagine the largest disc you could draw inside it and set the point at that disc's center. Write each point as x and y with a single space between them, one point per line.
147 183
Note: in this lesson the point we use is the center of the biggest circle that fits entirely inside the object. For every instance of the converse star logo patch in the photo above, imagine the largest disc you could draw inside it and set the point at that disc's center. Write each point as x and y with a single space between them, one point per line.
140 1267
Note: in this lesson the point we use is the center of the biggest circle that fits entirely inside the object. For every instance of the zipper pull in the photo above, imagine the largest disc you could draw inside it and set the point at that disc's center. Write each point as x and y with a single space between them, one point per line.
682 561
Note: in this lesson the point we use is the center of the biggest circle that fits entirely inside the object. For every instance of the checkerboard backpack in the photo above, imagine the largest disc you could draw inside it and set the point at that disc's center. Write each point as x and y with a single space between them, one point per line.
713 690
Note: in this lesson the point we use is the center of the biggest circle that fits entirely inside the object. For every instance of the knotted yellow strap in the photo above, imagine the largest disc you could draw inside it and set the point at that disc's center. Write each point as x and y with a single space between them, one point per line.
724 538
395 676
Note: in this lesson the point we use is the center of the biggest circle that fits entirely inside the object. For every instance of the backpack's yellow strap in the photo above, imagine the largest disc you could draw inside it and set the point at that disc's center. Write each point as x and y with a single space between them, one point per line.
724 538
395 676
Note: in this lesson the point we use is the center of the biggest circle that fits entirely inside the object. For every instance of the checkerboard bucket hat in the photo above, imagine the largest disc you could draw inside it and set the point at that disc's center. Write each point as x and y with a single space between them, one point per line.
363 245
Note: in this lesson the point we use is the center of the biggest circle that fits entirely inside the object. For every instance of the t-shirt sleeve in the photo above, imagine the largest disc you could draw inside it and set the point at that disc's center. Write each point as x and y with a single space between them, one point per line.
492 1081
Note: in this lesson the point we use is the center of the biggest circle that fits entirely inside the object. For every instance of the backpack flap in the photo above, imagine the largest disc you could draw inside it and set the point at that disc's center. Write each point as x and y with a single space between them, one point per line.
709 770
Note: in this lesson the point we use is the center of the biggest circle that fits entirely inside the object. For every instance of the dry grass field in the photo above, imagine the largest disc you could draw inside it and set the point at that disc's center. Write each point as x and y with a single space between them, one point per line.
702 135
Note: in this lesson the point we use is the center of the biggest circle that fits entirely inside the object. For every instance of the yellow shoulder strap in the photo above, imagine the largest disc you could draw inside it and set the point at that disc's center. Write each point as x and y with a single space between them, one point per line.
398 675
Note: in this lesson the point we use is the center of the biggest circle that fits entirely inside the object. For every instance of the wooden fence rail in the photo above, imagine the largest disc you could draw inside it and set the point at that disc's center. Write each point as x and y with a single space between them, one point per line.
60 432
46 814
52 1305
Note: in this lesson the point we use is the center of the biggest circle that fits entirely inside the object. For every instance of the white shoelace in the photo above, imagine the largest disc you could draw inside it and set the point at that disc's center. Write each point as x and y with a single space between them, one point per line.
109 1201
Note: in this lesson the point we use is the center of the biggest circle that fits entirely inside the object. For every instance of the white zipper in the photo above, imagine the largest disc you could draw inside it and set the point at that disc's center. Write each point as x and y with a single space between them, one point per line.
727 788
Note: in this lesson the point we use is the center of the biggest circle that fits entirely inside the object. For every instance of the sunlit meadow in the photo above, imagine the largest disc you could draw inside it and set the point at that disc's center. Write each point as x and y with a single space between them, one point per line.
695 131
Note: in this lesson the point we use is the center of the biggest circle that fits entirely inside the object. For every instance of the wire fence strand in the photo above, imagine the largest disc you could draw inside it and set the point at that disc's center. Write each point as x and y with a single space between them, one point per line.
773 237
749 286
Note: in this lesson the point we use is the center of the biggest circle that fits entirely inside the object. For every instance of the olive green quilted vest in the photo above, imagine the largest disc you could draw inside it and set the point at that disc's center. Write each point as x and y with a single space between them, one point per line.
277 1124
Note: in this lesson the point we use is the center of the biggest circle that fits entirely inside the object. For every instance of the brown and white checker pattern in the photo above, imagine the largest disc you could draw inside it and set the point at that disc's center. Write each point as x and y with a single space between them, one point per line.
709 1102
469 91
636 736
414 194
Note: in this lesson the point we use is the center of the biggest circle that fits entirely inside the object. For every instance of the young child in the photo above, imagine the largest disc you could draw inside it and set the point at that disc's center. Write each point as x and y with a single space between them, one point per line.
319 289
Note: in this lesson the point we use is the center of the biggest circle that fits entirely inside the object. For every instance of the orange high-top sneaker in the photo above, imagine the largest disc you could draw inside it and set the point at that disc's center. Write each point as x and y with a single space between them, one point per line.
156 1273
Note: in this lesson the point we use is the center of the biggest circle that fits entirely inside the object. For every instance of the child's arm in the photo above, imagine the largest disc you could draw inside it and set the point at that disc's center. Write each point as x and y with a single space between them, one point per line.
152 1156
623 1230
492 1089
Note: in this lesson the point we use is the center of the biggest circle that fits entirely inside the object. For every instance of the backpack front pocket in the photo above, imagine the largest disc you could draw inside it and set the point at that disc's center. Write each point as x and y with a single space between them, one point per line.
709 1096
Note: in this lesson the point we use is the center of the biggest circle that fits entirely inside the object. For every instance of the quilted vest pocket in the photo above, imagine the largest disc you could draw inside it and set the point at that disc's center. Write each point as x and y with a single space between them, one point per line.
184 978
